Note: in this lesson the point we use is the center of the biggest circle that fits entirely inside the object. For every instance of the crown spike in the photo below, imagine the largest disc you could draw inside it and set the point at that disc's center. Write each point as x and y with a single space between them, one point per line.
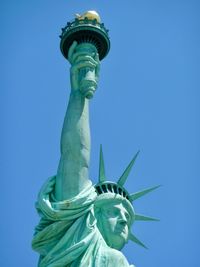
140 217
102 176
125 174
133 238
137 195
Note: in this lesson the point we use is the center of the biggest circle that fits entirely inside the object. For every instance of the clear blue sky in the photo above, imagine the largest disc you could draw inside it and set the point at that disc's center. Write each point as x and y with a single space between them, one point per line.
148 99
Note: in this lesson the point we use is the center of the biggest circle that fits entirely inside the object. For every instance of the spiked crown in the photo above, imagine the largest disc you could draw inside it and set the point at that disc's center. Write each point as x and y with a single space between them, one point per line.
111 191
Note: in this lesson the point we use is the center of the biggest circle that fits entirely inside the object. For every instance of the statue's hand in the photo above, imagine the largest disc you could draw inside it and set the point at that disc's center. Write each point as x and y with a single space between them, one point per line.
85 66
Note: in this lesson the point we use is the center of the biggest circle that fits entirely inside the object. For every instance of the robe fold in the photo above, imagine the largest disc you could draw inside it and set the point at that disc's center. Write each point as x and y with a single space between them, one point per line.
67 234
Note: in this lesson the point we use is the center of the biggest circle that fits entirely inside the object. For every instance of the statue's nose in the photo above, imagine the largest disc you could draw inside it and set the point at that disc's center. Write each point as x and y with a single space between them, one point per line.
123 223
122 218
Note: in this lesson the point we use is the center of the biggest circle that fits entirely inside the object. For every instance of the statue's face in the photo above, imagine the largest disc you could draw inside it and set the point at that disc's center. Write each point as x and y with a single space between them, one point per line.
115 225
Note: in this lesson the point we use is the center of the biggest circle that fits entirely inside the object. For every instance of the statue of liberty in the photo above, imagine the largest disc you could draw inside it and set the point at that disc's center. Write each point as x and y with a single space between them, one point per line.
83 224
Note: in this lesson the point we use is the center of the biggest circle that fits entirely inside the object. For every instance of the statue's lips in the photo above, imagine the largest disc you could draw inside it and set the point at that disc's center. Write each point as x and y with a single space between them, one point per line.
120 229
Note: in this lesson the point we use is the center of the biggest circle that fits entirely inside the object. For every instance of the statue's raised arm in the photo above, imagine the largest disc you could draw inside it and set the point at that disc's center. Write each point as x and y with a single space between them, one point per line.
72 174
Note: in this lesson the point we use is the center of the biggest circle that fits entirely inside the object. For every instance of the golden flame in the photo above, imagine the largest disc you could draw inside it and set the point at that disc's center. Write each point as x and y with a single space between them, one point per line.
90 15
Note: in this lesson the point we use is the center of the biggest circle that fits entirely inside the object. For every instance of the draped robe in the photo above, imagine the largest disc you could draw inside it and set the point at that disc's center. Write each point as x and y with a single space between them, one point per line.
67 234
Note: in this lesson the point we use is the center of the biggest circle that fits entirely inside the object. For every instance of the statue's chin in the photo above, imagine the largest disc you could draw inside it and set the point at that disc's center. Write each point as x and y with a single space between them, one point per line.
118 246
118 242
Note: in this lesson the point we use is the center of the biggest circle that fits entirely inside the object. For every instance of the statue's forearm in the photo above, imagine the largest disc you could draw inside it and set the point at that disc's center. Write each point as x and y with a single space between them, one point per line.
72 175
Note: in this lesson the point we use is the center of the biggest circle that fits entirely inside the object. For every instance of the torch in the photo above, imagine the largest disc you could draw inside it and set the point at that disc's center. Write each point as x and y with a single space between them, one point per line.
91 36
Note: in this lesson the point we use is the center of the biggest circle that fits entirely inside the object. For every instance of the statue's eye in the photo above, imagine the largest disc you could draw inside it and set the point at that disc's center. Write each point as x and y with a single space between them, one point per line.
112 212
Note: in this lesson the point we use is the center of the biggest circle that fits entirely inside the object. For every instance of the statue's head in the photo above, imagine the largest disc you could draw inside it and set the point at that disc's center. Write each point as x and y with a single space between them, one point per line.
114 208
115 216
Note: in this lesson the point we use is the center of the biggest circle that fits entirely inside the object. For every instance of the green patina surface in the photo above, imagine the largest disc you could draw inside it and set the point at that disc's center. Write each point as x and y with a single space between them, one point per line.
81 224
